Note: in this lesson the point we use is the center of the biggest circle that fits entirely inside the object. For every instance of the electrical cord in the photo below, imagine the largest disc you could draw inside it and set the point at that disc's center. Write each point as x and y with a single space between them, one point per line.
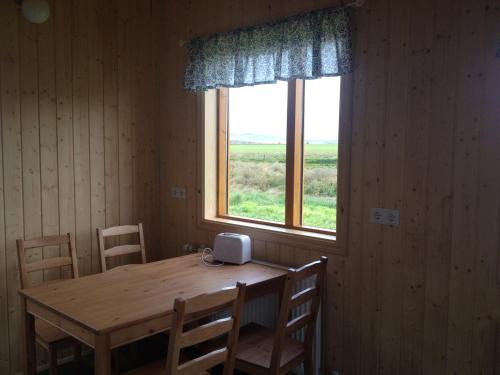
207 253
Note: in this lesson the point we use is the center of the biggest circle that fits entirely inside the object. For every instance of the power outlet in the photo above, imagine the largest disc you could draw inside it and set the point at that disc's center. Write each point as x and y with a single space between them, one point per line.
384 216
178 193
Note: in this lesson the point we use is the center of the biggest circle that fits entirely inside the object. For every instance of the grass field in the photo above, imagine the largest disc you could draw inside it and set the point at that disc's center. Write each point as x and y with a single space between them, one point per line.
257 183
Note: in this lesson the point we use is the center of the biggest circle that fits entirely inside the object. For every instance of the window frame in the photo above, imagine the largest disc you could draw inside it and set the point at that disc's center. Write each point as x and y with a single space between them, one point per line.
294 161
207 222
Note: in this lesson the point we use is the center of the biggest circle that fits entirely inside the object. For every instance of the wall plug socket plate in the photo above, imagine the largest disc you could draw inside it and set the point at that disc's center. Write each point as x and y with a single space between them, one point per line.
178 193
384 216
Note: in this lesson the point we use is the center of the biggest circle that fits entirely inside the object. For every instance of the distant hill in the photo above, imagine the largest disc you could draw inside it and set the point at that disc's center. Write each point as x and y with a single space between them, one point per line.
250 138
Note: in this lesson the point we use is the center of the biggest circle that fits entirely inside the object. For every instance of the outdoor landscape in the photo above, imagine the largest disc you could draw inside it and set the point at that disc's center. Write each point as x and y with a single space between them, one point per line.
257 151
257 182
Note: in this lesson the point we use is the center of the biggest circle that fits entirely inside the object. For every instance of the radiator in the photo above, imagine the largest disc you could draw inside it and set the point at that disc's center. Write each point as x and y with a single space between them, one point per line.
264 311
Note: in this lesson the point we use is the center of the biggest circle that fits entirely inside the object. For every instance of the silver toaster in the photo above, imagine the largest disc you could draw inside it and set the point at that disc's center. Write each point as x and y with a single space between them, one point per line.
232 248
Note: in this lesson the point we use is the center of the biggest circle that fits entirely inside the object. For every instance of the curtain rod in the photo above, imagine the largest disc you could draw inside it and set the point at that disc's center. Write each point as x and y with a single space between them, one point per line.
352 4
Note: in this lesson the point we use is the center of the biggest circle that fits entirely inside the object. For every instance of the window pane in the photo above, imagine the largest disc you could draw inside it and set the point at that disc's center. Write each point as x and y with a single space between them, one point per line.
321 134
257 151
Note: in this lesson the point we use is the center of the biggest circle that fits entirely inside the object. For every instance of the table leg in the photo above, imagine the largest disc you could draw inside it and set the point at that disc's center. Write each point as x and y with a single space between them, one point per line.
102 355
29 340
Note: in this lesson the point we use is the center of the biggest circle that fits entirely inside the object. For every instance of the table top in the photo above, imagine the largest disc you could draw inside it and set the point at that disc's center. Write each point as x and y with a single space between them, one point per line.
134 293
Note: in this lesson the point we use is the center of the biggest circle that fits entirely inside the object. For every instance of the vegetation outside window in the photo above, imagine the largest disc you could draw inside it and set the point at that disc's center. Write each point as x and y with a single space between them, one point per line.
278 153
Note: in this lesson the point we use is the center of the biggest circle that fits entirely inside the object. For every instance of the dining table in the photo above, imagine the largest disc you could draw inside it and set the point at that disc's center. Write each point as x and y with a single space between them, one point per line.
131 302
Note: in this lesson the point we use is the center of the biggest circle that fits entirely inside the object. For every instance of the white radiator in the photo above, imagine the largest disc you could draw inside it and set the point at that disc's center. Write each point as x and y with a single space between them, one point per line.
264 311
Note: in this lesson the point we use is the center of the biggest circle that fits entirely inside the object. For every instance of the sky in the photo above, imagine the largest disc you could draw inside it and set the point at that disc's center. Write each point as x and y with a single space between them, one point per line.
261 110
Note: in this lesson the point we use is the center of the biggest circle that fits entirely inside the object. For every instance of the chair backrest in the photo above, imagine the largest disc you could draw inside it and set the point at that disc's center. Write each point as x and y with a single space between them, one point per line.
48 263
120 249
199 307
310 297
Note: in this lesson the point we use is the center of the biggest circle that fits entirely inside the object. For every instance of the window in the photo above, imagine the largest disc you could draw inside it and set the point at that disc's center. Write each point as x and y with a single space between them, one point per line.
278 154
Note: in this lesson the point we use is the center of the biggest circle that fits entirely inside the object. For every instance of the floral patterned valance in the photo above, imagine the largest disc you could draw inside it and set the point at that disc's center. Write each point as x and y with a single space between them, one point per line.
307 46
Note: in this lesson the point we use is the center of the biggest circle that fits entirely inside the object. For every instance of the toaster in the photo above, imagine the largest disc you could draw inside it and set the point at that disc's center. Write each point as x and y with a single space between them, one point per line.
232 248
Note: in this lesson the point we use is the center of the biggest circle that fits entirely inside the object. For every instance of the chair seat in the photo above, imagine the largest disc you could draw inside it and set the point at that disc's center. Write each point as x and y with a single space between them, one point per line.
255 347
47 334
155 368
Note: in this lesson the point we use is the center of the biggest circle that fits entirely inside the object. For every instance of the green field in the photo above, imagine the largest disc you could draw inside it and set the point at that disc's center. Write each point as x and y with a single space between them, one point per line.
257 183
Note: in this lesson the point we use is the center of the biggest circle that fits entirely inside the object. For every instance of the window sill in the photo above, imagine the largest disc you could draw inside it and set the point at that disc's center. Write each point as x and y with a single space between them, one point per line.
294 237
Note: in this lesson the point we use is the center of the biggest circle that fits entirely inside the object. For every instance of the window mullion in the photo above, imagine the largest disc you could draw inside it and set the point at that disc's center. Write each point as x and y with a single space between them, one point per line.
222 152
294 153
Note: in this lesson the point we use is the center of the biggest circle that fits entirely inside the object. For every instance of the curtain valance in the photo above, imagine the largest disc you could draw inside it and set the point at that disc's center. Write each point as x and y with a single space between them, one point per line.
307 46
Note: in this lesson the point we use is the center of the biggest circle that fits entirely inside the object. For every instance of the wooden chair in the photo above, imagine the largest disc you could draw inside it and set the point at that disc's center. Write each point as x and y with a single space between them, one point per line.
264 351
121 249
194 309
47 335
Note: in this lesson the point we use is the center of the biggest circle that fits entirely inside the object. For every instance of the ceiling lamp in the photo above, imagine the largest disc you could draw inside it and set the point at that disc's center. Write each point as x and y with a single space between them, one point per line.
35 11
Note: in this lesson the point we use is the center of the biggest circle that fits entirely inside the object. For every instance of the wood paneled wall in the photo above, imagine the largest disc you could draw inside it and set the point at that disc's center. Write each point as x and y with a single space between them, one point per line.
422 298
77 141
96 129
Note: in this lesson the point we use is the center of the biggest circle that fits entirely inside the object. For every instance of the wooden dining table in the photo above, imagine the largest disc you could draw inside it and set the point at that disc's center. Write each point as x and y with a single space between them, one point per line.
131 302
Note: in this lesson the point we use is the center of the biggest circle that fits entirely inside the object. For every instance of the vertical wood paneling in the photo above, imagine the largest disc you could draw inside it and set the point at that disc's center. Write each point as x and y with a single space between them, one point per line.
334 306
110 79
140 128
487 300
48 137
12 173
440 192
126 38
59 135
4 311
96 129
351 335
395 301
28 78
391 292
464 244
373 177
96 126
415 210
111 133
81 137
63 18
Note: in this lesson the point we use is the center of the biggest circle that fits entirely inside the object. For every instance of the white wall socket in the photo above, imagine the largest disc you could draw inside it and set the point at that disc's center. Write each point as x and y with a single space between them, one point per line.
178 193
385 217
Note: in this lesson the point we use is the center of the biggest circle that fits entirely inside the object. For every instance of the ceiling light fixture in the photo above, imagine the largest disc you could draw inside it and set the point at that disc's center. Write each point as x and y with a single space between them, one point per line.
35 11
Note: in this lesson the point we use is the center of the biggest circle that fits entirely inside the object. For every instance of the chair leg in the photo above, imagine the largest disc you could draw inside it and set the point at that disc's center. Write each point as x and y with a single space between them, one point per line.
53 359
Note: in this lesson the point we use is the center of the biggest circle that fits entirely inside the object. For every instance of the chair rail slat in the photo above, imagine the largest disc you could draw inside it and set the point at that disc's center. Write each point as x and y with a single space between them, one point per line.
206 332
48 263
308 270
122 250
303 297
206 302
120 230
203 363
299 322
46 241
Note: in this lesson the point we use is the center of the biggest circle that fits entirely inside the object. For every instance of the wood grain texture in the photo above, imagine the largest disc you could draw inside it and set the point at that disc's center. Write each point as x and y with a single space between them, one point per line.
424 103
134 294
12 173
60 115
421 298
